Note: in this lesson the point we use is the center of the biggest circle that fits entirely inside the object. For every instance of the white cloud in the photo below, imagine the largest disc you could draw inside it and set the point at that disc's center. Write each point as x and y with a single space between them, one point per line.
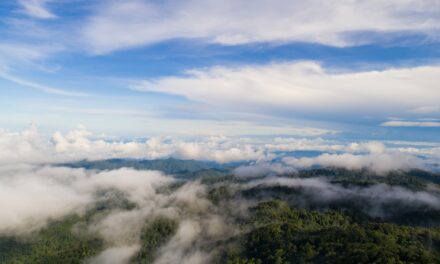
15 54
31 196
211 151
11 53
373 147
374 198
263 169
115 255
25 192
306 87
19 54
30 147
410 124
295 144
372 155
425 110
380 163
377 162
181 248
37 8
40 87
124 24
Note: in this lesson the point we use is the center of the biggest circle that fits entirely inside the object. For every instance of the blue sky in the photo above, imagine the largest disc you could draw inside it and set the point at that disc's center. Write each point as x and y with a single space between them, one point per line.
338 69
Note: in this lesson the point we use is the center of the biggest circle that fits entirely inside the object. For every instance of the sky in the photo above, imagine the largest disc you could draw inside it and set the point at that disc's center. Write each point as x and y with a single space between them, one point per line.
270 87
338 69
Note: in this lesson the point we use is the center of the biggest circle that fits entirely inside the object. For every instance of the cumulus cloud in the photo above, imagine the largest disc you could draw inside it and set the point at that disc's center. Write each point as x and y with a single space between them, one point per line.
377 159
263 169
372 155
319 144
209 151
306 88
124 24
24 147
298 144
29 146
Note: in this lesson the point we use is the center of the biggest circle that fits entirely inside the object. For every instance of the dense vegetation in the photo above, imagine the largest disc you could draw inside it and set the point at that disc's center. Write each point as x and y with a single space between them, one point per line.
286 235
57 243
153 237
180 168
283 225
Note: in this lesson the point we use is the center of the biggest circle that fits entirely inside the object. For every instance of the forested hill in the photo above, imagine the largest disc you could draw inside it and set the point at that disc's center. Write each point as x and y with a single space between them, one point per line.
207 214
169 165
413 179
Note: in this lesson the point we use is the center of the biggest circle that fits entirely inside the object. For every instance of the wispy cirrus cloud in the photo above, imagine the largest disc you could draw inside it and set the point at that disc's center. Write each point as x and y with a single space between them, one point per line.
40 87
124 24
13 53
229 98
426 110
402 123
37 9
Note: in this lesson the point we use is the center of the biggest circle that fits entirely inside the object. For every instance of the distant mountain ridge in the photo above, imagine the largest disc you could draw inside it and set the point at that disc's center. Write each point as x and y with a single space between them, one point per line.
168 166
414 179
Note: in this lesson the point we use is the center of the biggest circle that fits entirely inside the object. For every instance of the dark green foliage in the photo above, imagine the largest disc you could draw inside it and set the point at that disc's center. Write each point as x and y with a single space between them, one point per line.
425 175
155 235
295 227
285 235
11 247
363 208
211 172
212 176
218 194
54 244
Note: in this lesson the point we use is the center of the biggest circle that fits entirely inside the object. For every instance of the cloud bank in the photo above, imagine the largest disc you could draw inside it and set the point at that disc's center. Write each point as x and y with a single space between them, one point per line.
377 162
373 156
30 147
31 196
306 89
34 192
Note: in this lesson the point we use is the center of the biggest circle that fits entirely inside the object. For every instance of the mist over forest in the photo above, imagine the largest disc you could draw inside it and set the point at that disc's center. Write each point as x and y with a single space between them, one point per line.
219 131
361 202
